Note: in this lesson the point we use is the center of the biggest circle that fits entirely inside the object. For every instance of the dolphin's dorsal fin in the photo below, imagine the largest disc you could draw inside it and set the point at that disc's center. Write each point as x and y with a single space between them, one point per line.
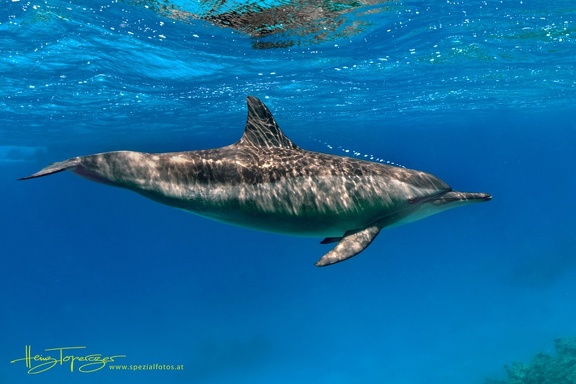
261 128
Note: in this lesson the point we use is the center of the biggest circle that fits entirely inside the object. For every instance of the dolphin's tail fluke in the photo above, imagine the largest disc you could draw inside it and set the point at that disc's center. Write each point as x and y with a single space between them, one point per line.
55 168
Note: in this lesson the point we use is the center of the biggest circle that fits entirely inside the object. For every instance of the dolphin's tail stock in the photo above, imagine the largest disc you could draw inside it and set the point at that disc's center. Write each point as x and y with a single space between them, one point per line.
55 168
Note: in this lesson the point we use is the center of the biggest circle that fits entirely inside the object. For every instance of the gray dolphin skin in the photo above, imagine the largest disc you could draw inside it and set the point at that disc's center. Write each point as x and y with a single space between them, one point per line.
268 183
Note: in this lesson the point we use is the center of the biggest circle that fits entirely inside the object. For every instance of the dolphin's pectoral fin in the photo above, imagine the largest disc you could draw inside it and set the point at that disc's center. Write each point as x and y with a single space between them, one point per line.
330 240
351 244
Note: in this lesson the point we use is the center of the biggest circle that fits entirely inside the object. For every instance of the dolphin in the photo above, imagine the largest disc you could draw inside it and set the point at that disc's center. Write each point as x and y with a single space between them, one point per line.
266 182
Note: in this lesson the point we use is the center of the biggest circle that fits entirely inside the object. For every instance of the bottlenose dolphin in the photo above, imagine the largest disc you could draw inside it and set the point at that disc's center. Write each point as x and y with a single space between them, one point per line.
268 183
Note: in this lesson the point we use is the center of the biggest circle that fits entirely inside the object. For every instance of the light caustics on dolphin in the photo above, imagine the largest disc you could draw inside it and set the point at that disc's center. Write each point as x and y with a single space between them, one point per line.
268 183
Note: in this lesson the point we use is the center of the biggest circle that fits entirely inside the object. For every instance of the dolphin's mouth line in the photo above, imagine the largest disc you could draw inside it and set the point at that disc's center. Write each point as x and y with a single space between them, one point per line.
425 199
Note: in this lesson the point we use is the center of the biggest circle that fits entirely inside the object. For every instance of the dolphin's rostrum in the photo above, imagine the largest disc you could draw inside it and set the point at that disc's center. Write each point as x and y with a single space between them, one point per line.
268 183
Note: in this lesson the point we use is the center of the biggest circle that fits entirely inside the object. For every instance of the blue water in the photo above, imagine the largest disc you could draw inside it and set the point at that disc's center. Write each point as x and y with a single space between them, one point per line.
481 94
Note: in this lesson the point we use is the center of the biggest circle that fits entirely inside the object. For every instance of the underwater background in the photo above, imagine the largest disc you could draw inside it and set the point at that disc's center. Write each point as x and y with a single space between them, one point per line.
479 93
